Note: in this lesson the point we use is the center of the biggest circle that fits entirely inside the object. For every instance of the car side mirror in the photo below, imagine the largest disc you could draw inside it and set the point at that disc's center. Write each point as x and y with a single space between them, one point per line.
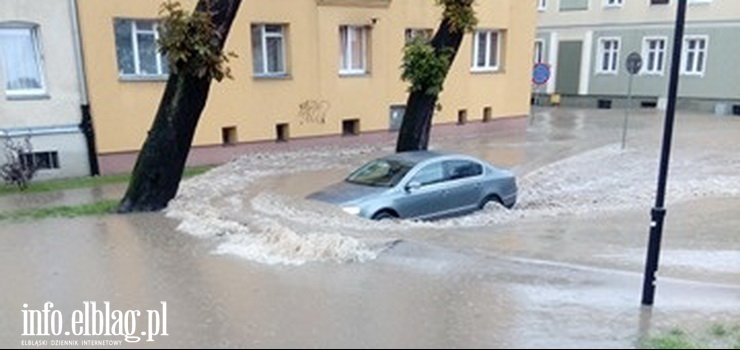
412 186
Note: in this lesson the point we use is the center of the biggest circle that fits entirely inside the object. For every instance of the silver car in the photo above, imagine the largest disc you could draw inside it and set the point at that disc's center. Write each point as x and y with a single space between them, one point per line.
423 185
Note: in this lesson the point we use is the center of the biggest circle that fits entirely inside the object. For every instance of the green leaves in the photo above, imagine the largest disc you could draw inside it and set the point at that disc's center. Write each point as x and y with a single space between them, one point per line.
192 43
425 68
460 14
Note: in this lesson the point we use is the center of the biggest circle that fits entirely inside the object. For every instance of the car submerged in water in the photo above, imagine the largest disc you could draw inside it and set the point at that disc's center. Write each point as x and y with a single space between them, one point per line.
421 185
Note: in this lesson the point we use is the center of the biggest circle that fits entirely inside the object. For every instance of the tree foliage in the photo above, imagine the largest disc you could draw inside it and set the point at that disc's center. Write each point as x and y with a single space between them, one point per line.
192 43
460 14
425 65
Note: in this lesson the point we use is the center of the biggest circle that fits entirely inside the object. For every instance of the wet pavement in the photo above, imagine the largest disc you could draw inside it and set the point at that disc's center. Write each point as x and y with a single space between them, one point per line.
243 260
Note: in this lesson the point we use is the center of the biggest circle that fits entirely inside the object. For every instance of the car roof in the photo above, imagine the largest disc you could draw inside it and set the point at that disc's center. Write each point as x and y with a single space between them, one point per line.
417 157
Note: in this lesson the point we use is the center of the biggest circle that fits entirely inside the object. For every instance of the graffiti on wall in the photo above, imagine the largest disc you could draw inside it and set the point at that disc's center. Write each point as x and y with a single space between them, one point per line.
313 112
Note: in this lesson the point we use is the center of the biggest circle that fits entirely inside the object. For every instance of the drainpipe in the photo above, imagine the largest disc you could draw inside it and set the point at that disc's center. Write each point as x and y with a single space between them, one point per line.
86 124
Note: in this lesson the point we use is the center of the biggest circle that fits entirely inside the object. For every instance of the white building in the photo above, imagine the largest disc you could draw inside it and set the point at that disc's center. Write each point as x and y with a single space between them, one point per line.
41 93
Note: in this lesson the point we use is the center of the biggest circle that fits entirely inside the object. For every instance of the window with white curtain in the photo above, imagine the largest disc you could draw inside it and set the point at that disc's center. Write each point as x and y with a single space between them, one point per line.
486 50
353 49
20 57
137 49
268 49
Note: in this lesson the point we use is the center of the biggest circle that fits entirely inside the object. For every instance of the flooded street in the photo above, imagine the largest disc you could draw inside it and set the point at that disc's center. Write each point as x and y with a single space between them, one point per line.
242 259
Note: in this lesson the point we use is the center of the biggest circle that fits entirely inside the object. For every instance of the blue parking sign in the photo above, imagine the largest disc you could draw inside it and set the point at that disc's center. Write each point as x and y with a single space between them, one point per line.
541 74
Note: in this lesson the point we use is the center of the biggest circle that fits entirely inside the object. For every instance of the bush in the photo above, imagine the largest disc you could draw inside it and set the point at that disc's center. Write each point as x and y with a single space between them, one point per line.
17 171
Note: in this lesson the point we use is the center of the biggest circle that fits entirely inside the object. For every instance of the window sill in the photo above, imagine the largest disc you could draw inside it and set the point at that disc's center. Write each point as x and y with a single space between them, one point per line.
696 75
486 71
28 97
354 74
613 74
272 77
143 78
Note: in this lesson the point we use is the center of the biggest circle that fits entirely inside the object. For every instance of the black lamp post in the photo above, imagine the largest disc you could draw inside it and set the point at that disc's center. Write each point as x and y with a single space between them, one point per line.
658 212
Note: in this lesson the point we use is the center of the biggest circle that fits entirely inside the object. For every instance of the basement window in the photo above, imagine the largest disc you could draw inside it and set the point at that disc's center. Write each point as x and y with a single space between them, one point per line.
350 127
282 132
487 112
40 160
229 136
462 116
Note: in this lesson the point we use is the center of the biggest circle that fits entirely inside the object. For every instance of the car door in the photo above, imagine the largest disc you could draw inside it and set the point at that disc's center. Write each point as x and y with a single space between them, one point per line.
429 198
462 180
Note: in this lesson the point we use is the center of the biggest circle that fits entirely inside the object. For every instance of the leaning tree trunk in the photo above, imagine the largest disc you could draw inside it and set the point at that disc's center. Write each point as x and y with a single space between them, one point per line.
417 120
159 167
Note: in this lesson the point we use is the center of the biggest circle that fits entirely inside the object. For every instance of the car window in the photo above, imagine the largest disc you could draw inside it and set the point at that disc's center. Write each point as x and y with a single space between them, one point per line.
460 169
380 173
430 174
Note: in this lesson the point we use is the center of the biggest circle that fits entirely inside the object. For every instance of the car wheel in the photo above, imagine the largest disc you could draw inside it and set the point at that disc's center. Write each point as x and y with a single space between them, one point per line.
384 215
488 199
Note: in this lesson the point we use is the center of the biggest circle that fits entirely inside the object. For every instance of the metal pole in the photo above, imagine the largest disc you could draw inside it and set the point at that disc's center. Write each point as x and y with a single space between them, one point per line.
627 112
658 212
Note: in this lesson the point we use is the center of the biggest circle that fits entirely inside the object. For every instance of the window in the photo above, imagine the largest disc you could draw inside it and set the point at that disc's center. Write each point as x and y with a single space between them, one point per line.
613 3
40 160
421 33
353 49
461 169
659 2
21 61
486 47
694 56
654 53
380 173
137 49
541 5
539 51
430 174
608 56
268 49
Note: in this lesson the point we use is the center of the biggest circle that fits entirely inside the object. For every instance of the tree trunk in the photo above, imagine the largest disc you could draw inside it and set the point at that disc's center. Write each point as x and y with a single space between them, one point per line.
417 120
159 167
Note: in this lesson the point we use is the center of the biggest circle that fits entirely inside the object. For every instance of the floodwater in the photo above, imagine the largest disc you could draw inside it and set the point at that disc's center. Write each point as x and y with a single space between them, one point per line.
243 260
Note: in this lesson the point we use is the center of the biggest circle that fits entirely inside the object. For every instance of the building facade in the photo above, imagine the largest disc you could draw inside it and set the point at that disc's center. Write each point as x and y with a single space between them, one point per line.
306 68
41 95
586 42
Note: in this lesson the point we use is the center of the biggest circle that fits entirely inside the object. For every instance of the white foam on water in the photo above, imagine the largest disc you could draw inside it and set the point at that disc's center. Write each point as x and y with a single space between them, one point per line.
261 225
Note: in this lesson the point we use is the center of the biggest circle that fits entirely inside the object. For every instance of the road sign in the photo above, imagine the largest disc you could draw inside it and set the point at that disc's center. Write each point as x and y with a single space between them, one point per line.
634 63
541 74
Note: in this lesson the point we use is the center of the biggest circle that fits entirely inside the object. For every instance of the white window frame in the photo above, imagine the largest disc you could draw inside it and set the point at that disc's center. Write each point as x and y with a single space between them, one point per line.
36 45
613 3
542 5
263 43
685 53
539 51
614 65
346 52
487 66
135 31
646 55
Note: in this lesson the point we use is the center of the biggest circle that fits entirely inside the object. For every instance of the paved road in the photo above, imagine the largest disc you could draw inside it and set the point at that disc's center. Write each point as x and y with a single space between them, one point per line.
244 261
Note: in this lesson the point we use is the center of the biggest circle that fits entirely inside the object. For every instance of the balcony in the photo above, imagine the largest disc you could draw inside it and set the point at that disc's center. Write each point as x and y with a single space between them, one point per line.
355 3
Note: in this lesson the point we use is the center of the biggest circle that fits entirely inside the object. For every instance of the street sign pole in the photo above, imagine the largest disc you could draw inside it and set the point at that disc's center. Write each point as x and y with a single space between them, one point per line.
540 76
634 65
627 111
658 212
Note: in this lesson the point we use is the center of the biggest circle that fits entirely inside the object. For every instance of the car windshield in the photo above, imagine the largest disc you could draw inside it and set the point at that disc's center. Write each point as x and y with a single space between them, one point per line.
380 173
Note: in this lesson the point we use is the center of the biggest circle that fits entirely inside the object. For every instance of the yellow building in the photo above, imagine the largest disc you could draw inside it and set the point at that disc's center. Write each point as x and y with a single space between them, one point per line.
305 68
